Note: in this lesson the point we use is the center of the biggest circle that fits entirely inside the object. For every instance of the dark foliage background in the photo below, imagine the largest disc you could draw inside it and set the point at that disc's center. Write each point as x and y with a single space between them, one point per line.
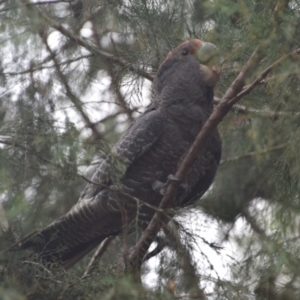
64 101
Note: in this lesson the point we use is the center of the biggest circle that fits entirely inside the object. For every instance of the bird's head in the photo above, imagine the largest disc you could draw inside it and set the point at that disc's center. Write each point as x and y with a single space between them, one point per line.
206 54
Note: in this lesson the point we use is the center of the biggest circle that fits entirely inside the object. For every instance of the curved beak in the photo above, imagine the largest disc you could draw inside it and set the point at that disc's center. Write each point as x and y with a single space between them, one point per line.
208 54
209 57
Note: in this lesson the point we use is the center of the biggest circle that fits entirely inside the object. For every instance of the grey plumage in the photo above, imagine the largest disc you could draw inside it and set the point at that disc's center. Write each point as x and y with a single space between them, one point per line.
150 150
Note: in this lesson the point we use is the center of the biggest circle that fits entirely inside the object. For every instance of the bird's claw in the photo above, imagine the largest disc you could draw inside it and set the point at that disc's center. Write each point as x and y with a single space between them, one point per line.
161 187
173 179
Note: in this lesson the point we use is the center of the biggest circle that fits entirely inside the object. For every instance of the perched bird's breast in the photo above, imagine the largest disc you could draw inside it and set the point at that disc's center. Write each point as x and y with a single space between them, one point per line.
159 161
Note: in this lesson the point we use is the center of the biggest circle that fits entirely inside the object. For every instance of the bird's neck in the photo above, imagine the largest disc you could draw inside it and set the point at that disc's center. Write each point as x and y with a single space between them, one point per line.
189 119
181 93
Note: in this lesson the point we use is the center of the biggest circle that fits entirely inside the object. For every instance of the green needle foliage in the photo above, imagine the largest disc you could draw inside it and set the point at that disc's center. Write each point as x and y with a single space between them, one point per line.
75 73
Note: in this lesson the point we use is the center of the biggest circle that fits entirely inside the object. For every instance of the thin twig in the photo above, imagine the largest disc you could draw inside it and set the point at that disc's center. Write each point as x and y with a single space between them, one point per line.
49 279
19 242
75 100
93 48
251 154
114 86
273 115
123 193
81 175
4 226
36 153
263 75
34 3
98 254
191 277
116 90
41 67
39 265
255 227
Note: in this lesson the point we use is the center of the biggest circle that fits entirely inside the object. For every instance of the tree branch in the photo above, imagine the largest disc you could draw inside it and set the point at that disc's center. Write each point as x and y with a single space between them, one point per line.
75 100
93 48
263 75
120 98
41 67
98 254
114 86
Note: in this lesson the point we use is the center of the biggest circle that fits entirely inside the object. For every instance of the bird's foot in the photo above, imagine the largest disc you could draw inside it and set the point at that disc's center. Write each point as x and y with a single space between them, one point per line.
161 187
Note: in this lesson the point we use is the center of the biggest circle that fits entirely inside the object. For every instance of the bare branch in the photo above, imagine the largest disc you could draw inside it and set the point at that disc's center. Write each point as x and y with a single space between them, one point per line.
98 254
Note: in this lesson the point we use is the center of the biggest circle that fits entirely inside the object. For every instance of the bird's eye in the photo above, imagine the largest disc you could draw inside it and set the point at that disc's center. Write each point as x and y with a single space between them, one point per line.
185 52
